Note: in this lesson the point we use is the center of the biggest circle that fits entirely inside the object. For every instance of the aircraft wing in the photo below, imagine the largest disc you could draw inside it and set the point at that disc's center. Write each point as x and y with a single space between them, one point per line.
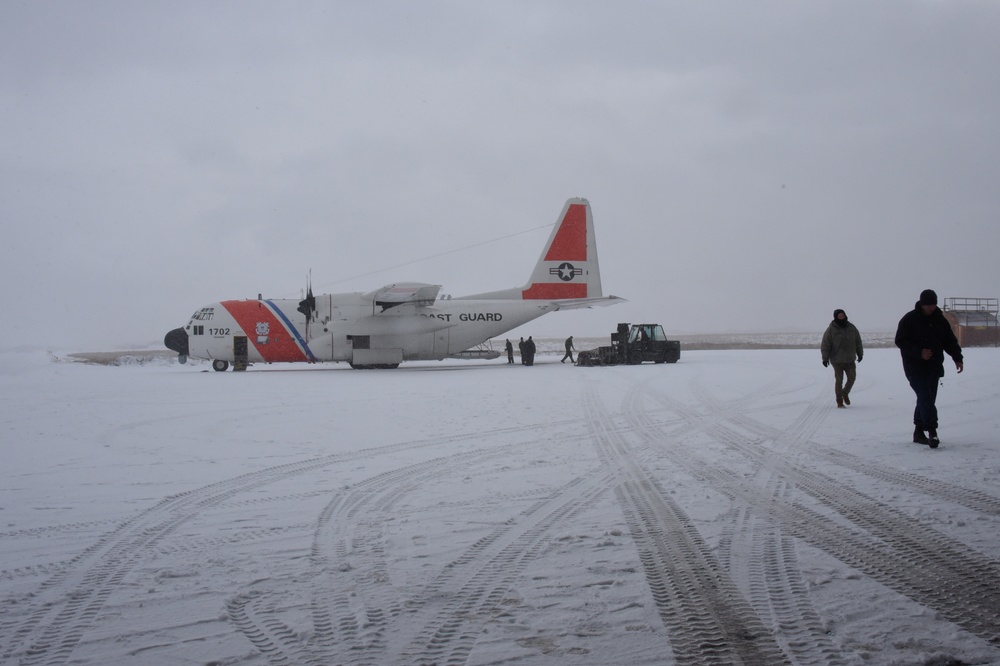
577 303
405 292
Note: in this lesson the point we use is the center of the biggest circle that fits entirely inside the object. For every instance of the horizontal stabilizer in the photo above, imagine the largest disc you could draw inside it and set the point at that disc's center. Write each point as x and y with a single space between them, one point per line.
577 303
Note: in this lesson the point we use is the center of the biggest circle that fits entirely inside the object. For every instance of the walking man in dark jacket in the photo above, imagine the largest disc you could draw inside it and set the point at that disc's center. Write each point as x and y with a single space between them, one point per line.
569 350
841 346
510 352
923 336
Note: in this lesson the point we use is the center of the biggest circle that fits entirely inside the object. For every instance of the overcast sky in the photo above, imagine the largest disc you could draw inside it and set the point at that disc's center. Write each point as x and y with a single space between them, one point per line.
751 166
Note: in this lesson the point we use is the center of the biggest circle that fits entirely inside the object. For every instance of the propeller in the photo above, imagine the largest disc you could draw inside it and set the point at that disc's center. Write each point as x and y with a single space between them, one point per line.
308 305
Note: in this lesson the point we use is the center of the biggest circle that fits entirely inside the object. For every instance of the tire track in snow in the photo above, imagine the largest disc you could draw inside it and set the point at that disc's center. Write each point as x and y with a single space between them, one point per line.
801 430
707 619
353 604
48 531
765 556
353 524
354 608
768 561
66 604
351 619
884 543
473 586
768 557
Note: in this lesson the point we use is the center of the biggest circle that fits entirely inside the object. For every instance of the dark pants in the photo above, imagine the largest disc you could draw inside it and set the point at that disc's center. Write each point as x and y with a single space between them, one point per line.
840 389
567 355
925 414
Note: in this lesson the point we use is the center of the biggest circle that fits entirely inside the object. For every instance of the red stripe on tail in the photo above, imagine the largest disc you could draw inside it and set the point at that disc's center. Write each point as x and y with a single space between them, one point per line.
570 243
553 291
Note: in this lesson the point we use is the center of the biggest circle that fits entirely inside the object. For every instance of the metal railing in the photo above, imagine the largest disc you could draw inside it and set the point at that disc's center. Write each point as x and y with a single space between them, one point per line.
976 319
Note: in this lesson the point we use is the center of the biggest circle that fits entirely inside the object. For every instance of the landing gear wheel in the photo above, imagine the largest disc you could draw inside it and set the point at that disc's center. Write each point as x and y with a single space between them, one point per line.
220 366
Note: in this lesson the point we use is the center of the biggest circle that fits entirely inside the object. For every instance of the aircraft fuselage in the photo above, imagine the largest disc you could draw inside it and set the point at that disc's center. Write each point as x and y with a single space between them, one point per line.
347 327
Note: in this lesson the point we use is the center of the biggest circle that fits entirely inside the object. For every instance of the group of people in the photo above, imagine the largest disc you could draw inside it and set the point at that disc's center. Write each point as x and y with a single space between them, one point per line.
526 348
923 336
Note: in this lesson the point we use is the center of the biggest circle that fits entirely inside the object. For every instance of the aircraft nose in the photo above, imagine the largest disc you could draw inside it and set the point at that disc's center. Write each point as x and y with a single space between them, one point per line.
177 340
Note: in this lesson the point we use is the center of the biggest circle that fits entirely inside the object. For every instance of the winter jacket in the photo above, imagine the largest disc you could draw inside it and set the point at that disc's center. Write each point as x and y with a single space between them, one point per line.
841 344
916 332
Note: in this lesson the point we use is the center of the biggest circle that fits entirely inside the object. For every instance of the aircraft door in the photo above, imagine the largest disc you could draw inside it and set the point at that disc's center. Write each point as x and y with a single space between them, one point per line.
441 339
322 347
240 355
434 345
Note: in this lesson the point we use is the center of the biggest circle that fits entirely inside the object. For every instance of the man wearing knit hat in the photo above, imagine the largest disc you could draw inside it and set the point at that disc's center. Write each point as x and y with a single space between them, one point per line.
841 346
923 336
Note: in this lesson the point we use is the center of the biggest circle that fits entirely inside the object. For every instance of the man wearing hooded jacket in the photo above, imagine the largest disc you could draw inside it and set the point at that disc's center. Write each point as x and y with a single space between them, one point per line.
841 345
923 336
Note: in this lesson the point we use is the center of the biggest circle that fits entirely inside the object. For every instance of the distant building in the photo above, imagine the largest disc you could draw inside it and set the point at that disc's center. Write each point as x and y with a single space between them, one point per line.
974 320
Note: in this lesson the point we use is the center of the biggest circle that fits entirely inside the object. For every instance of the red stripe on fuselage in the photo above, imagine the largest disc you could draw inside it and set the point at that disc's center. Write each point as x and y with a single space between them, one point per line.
280 345
570 243
553 291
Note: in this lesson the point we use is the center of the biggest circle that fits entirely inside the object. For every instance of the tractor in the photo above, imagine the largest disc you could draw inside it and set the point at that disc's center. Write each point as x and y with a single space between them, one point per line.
633 344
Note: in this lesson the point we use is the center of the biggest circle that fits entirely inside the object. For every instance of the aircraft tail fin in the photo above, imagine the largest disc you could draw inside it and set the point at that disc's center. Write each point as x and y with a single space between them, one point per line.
567 271
568 267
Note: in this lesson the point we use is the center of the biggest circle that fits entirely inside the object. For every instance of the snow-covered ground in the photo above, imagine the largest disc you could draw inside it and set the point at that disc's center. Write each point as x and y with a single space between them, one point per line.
716 511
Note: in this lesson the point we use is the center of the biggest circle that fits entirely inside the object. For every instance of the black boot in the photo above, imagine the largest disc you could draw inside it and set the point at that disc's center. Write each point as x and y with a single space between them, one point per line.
919 437
932 438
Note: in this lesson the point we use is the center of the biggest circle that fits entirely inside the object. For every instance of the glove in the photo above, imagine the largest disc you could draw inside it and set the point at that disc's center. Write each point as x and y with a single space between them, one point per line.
826 364
859 359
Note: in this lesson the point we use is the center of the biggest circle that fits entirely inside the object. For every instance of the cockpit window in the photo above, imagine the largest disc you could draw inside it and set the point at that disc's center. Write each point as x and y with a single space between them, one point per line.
203 315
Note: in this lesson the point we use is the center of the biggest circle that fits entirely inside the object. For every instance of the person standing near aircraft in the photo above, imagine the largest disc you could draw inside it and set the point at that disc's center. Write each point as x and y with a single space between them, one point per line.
841 345
529 351
510 352
923 336
569 350
520 351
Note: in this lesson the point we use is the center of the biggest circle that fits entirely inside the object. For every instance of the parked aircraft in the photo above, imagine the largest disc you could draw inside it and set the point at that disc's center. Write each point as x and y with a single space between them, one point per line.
405 321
